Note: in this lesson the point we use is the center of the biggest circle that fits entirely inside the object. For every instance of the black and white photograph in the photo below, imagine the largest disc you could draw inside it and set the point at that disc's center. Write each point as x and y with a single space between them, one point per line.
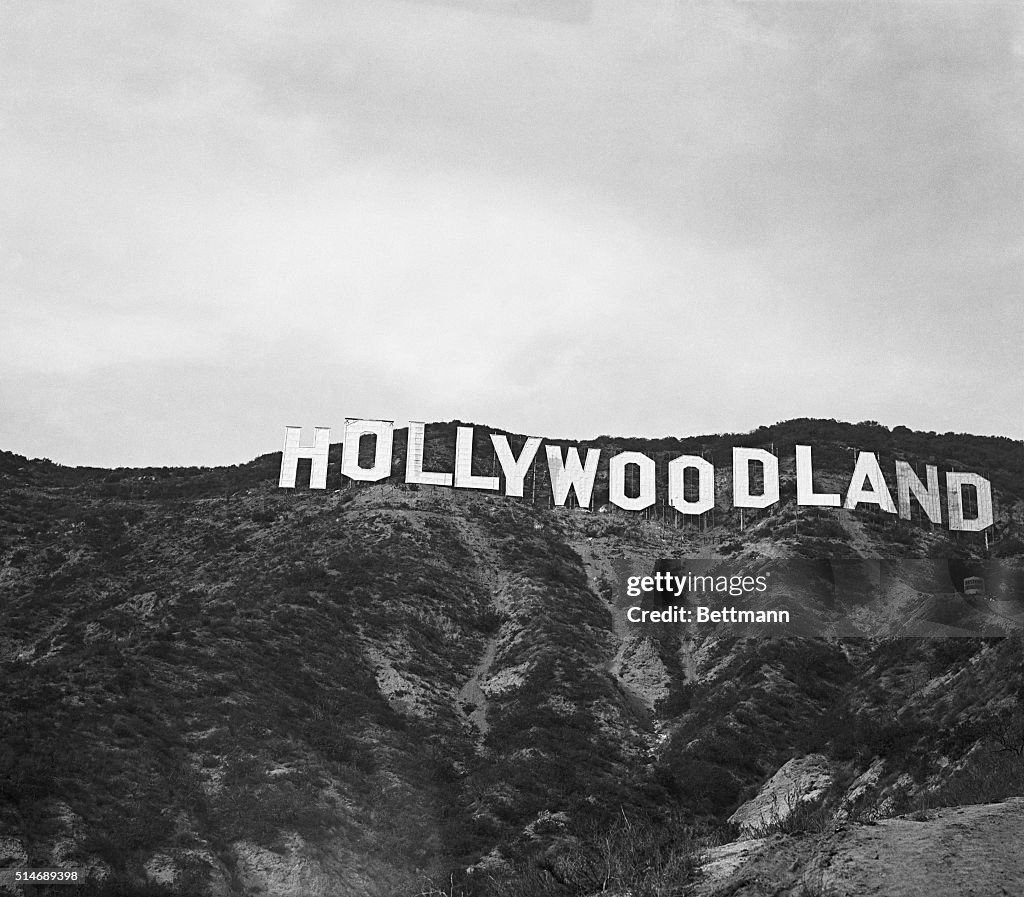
512 448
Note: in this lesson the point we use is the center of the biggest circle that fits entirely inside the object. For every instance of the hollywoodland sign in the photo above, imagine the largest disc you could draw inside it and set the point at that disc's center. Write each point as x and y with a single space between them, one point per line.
569 473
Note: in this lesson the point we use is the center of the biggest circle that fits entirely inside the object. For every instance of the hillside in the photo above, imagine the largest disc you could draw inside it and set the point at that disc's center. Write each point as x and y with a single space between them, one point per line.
964 850
217 687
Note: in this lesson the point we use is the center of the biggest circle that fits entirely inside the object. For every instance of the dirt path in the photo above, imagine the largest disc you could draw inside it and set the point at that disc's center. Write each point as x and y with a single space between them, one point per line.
471 693
472 701
687 654
972 851
602 562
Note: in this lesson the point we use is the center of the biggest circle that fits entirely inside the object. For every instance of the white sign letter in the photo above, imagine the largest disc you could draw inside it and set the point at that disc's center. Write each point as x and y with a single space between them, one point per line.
805 494
464 477
355 430
572 474
955 483
318 452
705 484
741 497
867 469
907 482
414 472
617 481
514 470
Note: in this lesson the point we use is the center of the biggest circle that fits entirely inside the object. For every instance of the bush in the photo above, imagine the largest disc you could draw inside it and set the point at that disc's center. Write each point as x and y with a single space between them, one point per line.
633 855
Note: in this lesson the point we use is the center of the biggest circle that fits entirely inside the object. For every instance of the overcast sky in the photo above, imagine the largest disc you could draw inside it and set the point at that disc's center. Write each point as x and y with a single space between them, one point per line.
566 218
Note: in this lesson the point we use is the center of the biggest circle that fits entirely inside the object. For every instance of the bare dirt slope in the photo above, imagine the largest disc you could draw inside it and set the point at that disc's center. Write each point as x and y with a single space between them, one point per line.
971 851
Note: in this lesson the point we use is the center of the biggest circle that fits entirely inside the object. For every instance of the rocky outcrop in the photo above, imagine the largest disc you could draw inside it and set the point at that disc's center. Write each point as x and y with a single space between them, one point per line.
951 852
800 782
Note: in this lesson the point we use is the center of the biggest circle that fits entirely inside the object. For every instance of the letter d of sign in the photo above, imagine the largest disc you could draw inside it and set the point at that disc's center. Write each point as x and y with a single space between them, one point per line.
955 482
741 461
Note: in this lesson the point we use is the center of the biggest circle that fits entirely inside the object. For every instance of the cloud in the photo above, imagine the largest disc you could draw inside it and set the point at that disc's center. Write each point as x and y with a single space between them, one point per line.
484 214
